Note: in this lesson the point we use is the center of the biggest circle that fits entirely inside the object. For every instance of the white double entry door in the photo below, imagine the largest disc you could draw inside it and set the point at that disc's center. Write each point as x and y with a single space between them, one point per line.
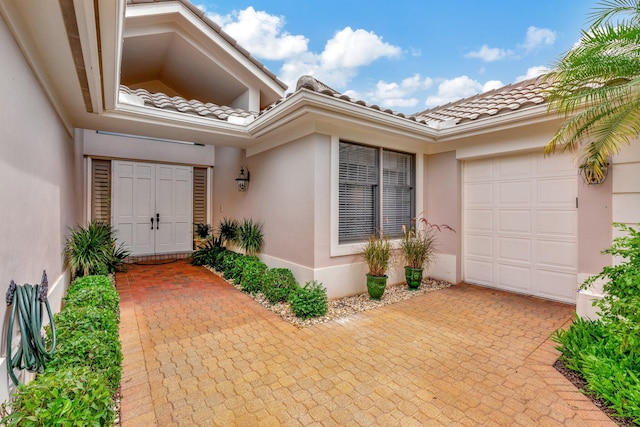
152 207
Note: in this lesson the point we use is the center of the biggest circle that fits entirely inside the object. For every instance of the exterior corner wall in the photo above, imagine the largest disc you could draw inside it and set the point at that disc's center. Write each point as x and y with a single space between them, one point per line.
281 195
41 176
442 177
594 225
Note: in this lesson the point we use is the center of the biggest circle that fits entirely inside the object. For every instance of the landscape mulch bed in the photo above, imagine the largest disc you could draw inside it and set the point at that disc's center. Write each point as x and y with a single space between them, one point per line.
581 384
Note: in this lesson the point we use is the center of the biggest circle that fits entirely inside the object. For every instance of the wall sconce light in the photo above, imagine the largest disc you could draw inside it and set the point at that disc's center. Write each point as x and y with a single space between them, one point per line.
242 181
589 175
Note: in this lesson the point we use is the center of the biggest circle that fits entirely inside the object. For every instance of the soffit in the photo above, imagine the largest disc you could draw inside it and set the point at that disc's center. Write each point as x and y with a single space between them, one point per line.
168 42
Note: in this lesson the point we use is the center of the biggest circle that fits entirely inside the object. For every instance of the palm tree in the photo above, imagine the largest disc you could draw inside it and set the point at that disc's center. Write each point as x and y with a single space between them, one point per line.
596 86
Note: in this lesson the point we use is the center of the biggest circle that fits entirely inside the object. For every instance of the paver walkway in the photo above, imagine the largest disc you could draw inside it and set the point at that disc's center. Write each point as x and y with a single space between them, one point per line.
199 352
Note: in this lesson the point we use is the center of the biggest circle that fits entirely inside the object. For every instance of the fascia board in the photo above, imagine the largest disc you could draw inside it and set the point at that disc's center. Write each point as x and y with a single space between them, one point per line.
87 31
148 115
199 31
498 123
111 15
338 110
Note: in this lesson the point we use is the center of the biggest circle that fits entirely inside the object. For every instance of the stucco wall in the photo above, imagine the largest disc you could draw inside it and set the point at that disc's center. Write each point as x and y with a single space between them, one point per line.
40 183
442 200
626 185
98 144
594 225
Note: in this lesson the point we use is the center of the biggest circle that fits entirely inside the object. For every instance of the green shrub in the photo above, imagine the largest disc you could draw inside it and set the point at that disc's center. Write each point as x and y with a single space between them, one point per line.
93 250
250 237
99 351
227 230
217 264
228 263
69 397
237 267
207 254
202 230
253 275
278 283
309 301
94 296
606 352
87 320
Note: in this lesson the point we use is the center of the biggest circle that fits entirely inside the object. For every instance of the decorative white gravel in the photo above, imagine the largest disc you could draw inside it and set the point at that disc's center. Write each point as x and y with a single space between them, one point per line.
344 307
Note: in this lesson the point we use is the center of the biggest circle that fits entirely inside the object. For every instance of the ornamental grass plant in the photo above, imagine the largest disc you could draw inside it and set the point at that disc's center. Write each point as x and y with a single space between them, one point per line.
378 255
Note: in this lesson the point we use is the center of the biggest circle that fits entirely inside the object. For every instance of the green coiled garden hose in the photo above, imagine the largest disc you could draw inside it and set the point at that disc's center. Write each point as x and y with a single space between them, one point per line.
26 302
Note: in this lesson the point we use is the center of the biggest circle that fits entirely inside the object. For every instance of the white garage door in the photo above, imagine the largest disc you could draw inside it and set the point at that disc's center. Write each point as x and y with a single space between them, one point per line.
521 225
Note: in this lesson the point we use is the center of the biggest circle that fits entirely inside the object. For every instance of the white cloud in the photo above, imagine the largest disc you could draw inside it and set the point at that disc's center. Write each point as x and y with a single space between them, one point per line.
532 72
352 49
264 36
399 94
457 88
534 39
489 54
261 34
491 85
537 37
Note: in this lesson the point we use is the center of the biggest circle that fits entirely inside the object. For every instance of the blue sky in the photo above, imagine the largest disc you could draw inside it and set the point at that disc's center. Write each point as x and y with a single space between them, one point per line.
409 55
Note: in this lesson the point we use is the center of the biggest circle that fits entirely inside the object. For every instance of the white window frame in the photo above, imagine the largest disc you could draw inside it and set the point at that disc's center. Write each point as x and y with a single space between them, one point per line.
351 248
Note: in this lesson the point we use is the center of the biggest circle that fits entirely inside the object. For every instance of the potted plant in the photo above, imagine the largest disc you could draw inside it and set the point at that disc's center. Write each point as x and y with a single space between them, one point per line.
419 249
377 253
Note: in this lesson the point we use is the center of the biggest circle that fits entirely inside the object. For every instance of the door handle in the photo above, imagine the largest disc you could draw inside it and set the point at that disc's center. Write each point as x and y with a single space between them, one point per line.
157 221
152 223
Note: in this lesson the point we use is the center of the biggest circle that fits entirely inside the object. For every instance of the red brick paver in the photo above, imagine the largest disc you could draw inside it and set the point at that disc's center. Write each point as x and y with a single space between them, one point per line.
199 352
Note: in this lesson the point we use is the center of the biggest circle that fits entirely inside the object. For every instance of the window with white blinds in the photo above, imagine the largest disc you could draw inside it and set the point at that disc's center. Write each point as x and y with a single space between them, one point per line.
368 175
397 187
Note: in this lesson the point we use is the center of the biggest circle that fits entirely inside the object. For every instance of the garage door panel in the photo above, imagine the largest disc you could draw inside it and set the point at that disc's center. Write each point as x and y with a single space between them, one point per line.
556 165
479 170
514 167
514 277
512 221
480 221
556 285
558 223
557 193
557 254
516 193
481 195
520 224
480 272
510 249
479 245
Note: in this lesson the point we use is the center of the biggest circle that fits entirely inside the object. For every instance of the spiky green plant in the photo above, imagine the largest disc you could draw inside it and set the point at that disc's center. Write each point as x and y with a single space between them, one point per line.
228 229
250 237
93 250
377 253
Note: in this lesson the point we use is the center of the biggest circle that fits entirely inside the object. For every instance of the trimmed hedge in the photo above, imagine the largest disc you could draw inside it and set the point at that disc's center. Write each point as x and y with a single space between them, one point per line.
80 380
278 283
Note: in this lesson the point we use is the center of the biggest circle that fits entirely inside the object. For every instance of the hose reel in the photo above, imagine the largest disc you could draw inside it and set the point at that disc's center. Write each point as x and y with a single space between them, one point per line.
27 310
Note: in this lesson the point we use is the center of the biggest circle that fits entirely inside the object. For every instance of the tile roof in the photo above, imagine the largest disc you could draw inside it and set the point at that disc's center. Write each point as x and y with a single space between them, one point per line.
517 96
180 104
528 93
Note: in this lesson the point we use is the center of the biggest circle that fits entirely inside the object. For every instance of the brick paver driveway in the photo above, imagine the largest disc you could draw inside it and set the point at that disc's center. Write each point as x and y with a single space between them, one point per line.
199 352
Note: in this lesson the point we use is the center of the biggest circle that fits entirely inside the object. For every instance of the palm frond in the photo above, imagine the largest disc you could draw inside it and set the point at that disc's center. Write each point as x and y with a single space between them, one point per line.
608 9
